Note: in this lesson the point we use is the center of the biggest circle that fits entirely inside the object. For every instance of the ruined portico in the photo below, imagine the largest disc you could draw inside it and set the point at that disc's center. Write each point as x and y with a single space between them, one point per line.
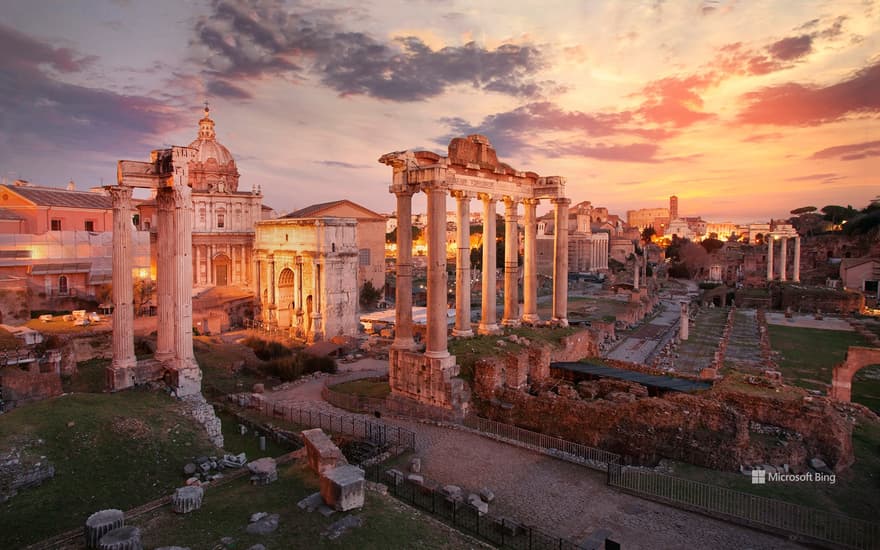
781 264
471 170
167 174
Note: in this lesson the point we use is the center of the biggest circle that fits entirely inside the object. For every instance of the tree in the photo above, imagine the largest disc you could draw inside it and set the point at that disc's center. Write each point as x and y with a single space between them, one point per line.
711 245
759 238
647 233
391 237
369 295
143 293
804 210
838 214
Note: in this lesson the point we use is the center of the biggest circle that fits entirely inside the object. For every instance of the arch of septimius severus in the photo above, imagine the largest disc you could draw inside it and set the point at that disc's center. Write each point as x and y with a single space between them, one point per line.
167 174
470 171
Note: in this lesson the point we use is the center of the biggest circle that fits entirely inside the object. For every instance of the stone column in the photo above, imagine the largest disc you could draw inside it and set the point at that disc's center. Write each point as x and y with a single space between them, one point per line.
560 261
271 287
488 324
120 375
164 274
209 267
316 334
511 264
783 257
436 345
258 284
299 294
684 322
769 257
636 270
530 262
796 275
403 323
198 259
463 265
181 287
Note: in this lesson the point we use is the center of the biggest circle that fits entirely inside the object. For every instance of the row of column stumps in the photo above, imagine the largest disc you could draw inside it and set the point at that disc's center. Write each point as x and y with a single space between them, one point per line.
437 294
783 253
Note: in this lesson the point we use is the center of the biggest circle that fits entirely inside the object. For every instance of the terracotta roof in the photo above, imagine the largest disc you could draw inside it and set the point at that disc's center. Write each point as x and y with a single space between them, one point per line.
6 214
848 263
310 211
49 196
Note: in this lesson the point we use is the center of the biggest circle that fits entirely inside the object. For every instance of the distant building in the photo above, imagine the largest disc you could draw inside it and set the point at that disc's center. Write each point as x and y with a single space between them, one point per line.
587 250
58 242
370 236
863 275
656 218
673 207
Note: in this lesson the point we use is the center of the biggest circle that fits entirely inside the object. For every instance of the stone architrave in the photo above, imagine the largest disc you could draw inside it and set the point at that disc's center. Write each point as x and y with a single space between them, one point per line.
511 264
120 375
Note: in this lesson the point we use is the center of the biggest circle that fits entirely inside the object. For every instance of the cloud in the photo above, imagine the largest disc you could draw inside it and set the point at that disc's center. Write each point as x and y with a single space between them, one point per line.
339 164
760 138
250 39
824 179
43 114
793 47
794 104
852 151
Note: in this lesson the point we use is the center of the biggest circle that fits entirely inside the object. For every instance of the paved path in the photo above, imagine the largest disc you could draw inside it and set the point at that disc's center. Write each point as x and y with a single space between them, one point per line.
638 346
557 496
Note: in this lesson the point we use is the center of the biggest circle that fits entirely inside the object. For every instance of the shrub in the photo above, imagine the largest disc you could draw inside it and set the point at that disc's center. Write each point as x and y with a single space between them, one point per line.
293 367
267 350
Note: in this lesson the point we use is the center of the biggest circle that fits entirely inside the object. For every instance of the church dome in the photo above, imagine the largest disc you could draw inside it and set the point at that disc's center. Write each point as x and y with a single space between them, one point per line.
213 168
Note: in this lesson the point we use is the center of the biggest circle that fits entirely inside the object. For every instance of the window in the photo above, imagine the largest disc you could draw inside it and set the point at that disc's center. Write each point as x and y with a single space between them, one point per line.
62 285
202 217
364 256
89 225
221 218
56 225
146 225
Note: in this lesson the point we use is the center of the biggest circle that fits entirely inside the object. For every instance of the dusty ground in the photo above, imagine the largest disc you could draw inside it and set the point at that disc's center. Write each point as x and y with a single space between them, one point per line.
808 321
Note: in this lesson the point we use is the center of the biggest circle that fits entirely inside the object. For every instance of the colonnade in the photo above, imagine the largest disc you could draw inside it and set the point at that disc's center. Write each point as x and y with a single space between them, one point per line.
436 344
781 266
239 263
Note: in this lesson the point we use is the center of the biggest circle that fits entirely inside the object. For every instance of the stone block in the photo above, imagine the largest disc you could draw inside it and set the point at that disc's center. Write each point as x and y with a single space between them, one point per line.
322 452
187 499
263 471
415 478
415 465
342 488
265 525
395 476
452 492
101 523
486 494
122 538
481 507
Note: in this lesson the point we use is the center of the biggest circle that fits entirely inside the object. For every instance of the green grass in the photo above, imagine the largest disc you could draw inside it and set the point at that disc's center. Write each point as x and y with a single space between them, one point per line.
856 492
365 387
249 443
468 351
217 359
866 387
807 356
90 377
386 522
99 462
59 326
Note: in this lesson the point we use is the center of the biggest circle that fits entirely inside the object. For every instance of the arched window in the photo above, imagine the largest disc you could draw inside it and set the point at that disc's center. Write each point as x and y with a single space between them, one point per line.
62 285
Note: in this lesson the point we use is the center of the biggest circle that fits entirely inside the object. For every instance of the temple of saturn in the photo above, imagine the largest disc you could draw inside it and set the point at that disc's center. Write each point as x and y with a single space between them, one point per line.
167 174
470 171
783 258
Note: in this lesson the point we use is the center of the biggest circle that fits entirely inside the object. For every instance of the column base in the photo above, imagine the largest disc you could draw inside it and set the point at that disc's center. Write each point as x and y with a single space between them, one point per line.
462 333
119 378
510 322
488 329
562 322
404 344
437 354
531 318
163 356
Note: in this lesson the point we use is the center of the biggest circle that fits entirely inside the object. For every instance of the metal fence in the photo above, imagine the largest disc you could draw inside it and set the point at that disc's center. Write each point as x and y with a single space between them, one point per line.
377 432
547 444
266 330
499 531
754 510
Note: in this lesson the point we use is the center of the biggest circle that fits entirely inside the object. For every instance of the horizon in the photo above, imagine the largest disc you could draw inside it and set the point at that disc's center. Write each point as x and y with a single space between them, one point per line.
744 112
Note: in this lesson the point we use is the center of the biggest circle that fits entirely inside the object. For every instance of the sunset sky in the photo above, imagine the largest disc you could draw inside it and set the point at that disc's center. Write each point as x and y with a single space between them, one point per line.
744 109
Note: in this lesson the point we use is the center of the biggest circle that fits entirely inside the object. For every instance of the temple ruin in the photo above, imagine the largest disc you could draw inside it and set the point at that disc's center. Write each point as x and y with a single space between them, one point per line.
471 170
166 173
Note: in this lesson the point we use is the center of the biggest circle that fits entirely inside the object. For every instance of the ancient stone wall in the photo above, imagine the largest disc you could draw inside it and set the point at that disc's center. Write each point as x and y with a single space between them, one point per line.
14 307
20 387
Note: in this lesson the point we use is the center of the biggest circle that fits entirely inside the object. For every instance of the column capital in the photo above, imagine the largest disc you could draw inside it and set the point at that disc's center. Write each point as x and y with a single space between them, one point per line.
510 201
487 197
165 199
461 194
182 195
434 187
531 201
120 195
403 191
562 201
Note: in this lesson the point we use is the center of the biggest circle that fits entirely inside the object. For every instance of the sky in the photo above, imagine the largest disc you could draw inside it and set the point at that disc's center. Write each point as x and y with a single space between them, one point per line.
745 110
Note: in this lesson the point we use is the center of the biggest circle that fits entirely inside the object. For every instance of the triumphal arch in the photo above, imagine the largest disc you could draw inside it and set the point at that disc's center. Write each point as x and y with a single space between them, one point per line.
167 175
470 171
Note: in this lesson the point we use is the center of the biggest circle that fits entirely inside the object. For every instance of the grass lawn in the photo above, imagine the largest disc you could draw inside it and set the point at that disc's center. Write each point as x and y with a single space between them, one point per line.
365 387
217 359
387 523
123 450
856 492
91 377
807 357
60 326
